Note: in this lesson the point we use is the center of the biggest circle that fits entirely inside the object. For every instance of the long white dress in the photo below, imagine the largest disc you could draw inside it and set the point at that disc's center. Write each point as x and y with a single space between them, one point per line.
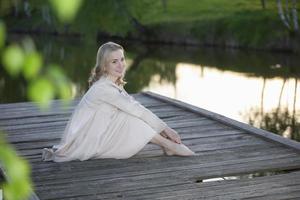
107 123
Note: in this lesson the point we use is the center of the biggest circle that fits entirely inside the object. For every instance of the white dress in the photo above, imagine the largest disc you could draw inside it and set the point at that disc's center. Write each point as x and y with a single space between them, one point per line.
107 123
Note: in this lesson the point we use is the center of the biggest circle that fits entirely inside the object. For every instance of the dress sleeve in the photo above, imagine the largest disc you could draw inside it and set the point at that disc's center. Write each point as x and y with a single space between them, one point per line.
110 94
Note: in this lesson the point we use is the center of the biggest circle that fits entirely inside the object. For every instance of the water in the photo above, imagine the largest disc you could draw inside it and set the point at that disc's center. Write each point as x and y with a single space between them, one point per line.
258 88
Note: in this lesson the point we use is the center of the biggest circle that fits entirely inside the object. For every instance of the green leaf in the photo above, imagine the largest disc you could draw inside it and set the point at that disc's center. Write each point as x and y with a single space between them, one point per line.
32 65
62 84
28 45
41 91
56 73
2 34
13 58
66 9
19 170
65 91
17 173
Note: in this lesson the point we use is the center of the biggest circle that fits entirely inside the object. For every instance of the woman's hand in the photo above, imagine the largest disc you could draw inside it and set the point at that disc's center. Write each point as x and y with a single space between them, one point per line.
171 134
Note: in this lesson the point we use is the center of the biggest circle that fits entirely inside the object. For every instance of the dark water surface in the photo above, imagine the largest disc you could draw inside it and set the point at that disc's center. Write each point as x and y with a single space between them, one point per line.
259 88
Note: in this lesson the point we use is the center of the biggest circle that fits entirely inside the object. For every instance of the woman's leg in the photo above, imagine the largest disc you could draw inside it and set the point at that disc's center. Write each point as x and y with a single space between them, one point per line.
172 147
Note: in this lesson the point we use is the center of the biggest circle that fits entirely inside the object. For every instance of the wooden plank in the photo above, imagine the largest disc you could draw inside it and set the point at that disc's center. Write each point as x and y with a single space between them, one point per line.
263 133
89 191
29 109
66 116
287 191
222 150
45 178
219 187
260 186
200 146
156 151
224 140
147 171
134 185
120 184
58 104
290 195
135 194
191 169
41 118
168 189
56 133
54 123
40 134
34 120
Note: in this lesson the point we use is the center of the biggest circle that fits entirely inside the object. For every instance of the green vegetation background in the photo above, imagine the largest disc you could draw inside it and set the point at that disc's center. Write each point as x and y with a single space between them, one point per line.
237 23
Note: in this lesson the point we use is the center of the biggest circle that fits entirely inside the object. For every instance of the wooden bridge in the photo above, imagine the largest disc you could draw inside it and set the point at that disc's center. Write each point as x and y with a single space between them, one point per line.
234 161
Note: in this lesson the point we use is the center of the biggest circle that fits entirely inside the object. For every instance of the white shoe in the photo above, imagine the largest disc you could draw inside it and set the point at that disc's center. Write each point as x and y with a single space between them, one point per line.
47 154
167 151
180 150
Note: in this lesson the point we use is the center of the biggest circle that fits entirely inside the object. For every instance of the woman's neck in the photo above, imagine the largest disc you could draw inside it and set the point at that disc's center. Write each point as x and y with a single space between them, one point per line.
112 78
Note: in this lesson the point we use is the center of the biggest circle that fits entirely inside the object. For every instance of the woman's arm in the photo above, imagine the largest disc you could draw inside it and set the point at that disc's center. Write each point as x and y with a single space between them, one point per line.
110 94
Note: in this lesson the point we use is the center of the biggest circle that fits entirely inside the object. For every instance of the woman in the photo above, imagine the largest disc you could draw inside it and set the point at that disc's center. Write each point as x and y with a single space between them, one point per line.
108 123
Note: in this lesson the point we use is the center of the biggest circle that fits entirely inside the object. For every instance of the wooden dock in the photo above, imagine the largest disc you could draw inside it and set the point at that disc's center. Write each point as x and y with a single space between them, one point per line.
234 161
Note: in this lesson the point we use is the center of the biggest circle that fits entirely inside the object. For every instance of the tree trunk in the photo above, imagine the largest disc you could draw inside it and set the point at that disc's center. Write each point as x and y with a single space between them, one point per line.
294 103
295 15
280 95
288 14
262 98
281 15
164 3
263 3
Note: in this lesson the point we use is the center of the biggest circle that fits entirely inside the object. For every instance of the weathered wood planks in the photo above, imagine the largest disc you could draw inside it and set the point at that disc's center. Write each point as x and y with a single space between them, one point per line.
225 148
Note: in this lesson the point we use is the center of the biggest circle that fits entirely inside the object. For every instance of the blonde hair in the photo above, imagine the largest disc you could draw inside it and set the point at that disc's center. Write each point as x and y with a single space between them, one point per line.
99 70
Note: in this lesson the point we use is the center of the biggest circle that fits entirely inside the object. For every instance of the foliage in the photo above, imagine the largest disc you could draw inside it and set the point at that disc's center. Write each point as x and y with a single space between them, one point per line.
24 60
17 172
147 69
66 9
43 84
277 121
2 34
233 23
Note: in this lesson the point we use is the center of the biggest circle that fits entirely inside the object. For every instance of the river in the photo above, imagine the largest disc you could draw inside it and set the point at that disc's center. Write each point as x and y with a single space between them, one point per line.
256 87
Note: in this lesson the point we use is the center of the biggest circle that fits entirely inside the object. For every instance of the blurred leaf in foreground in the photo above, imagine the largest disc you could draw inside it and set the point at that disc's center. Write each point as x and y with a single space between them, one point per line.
41 91
62 84
66 9
13 59
2 34
32 65
17 173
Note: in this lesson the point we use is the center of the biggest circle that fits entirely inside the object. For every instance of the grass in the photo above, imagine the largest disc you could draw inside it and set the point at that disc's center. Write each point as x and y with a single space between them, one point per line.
191 10
217 21
240 22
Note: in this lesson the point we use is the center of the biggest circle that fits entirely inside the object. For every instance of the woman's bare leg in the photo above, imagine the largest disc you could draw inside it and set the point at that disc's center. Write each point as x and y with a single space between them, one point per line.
172 147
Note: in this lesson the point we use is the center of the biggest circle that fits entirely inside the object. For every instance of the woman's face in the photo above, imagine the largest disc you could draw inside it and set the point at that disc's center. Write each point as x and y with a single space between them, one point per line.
115 64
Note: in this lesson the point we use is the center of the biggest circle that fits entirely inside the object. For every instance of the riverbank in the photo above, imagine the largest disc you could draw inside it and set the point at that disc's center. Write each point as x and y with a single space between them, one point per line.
237 24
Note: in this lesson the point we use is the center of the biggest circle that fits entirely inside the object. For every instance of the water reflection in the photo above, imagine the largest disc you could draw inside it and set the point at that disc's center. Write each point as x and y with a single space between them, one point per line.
261 102
255 87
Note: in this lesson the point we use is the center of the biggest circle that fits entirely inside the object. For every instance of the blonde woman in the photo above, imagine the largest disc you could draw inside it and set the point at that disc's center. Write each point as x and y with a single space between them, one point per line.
109 123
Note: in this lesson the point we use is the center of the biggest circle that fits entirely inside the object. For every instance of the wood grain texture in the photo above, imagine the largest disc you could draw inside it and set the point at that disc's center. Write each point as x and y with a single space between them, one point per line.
224 148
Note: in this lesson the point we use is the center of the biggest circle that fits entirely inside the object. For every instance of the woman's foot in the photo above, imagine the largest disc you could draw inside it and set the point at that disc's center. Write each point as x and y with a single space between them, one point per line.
178 149
47 154
167 151
170 147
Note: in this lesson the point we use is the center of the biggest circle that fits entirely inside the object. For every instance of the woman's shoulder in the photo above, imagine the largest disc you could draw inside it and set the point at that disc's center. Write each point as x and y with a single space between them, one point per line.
105 83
